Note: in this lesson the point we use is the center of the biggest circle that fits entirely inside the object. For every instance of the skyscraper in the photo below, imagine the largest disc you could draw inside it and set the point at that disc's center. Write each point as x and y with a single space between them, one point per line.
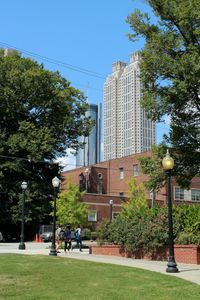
90 153
127 130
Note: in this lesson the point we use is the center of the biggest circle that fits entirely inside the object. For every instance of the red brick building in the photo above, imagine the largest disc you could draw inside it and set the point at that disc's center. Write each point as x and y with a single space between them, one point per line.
109 181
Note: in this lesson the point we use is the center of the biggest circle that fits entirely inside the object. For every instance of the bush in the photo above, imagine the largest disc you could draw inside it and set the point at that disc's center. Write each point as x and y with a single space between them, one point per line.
187 238
86 234
147 230
103 232
93 235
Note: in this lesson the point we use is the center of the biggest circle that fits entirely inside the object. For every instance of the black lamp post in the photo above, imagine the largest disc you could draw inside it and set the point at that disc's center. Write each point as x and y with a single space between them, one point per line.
111 209
168 164
55 183
24 187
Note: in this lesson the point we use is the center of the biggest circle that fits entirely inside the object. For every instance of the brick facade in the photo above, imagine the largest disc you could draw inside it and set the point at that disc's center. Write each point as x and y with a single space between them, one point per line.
107 175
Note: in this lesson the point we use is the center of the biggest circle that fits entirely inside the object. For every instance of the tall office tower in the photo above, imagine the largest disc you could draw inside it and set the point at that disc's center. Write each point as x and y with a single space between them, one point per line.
90 153
127 130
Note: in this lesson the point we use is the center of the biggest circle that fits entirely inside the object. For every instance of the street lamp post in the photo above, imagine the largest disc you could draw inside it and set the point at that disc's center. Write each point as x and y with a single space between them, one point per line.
168 164
22 246
111 209
55 183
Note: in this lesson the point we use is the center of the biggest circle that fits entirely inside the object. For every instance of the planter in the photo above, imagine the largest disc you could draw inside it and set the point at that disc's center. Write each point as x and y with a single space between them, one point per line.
189 254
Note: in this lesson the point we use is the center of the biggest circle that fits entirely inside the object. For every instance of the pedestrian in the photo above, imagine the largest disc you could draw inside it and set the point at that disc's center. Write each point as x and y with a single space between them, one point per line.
59 239
78 237
68 239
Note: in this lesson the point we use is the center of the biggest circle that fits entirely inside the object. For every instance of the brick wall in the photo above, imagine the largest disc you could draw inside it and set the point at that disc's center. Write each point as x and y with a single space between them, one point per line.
189 254
100 203
112 185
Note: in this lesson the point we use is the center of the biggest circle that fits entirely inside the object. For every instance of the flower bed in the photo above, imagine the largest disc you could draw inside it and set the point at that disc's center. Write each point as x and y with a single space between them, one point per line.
183 253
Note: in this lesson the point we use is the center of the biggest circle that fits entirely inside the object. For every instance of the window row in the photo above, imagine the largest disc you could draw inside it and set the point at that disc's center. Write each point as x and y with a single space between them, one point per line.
135 171
186 195
93 216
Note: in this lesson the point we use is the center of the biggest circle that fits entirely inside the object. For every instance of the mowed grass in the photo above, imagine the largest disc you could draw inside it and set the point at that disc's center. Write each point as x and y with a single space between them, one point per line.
43 277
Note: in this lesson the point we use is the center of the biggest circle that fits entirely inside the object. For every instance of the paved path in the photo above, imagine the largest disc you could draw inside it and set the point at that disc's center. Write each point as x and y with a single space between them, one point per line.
188 272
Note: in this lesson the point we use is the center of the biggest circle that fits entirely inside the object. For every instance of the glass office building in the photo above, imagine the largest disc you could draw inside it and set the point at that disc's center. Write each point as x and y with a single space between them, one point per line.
90 153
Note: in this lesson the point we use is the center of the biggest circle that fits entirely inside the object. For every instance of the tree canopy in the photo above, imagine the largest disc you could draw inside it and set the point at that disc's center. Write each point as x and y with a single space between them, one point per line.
70 209
170 71
41 116
137 201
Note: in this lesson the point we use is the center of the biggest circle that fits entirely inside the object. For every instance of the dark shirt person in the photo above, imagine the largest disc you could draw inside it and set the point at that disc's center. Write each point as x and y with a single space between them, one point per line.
68 240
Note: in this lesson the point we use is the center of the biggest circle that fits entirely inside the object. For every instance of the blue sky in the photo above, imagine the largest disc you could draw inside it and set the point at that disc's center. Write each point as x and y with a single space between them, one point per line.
86 34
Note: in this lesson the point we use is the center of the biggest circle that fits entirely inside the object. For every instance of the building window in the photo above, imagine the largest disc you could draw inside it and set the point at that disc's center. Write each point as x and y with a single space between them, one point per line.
135 170
179 193
121 194
121 173
100 187
195 195
92 216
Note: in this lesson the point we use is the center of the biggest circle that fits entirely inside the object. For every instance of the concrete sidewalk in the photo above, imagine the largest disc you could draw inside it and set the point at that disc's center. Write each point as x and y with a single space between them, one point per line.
186 271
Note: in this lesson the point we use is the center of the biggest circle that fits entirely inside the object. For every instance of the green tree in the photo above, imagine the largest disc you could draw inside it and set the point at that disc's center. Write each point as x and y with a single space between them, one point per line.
41 116
70 208
170 71
152 166
137 201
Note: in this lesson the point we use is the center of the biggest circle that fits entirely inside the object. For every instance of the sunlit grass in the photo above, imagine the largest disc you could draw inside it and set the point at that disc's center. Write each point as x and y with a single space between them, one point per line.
45 277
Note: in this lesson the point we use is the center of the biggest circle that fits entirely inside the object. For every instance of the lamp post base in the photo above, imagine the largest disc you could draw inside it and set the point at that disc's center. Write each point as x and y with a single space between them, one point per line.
172 267
53 252
22 246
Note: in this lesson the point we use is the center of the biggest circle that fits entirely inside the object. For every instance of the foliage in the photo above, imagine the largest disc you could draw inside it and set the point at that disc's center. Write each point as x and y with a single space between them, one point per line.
137 200
103 233
170 71
187 224
152 166
41 116
86 234
187 238
93 235
70 209
147 230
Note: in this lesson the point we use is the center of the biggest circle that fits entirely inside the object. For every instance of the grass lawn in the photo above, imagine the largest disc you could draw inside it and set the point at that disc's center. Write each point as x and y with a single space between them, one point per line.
44 277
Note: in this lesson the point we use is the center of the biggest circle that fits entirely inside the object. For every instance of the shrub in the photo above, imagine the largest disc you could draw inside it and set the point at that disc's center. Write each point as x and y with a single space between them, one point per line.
147 229
103 232
187 238
86 233
145 232
93 235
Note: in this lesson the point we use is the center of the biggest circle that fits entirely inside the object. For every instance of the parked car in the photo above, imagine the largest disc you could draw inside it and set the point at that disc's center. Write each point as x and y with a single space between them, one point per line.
46 233
47 236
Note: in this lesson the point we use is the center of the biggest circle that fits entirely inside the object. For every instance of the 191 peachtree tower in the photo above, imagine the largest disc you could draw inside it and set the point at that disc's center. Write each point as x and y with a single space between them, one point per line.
127 130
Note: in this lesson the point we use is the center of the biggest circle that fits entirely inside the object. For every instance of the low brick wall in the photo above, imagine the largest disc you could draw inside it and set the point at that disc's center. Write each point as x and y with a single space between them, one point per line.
183 253
105 250
189 254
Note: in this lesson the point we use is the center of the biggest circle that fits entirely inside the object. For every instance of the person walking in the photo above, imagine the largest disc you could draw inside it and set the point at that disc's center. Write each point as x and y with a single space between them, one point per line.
79 237
68 239
60 237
